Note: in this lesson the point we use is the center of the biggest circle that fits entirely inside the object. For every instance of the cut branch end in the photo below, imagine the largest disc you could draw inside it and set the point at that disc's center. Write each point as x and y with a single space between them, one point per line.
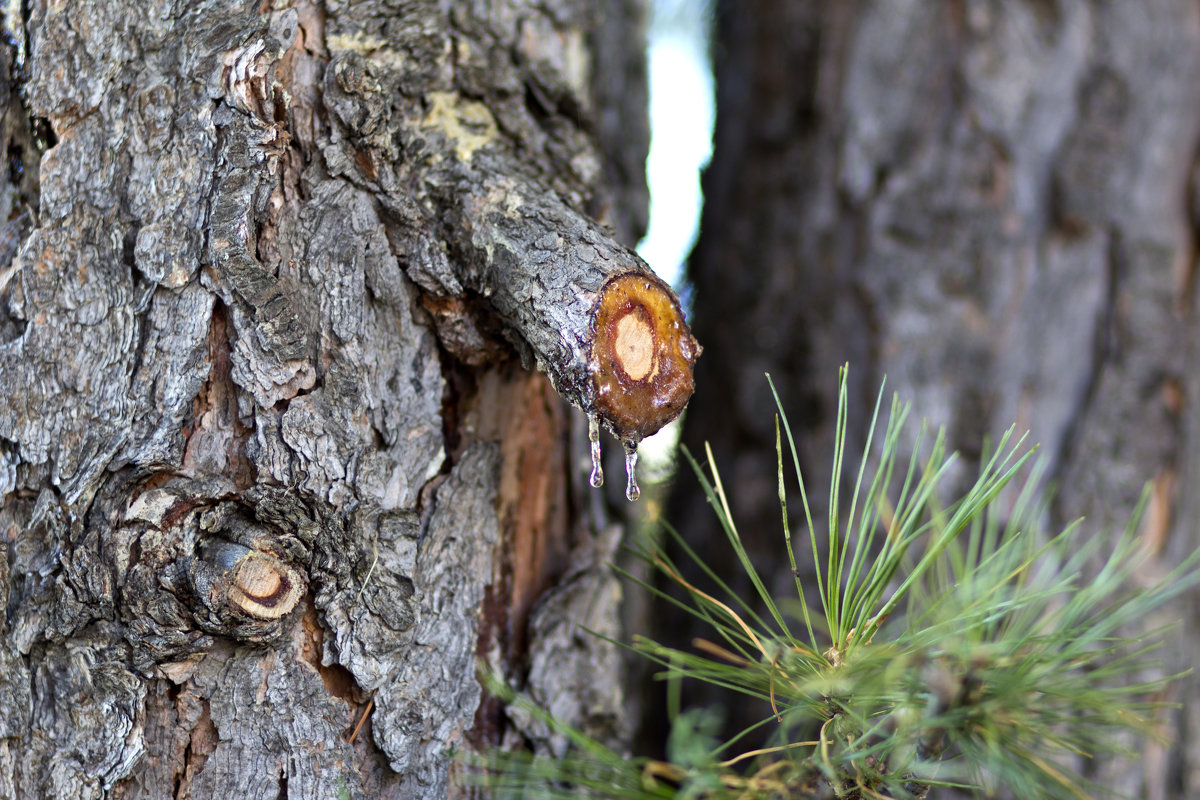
642 356
264 587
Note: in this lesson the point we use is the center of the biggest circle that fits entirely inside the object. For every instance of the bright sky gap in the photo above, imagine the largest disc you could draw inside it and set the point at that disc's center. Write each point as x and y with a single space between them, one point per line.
681 125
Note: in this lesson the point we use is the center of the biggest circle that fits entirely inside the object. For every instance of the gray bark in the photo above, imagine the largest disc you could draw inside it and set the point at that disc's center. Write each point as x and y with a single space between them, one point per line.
995 206
267 467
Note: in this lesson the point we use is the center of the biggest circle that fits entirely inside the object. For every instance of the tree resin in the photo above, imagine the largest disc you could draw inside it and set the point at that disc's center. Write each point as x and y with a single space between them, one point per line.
632 492
597 478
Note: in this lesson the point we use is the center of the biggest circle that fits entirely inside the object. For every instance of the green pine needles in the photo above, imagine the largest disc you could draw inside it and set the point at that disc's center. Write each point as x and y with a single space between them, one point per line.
941 645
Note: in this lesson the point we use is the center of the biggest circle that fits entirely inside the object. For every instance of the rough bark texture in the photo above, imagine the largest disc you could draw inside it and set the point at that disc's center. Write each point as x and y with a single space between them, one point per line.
992 204
271 477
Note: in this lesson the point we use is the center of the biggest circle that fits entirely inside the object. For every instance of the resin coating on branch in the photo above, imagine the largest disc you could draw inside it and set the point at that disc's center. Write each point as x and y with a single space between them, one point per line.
642 356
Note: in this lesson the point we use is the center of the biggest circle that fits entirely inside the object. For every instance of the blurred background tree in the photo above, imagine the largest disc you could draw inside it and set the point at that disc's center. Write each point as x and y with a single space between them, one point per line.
994 204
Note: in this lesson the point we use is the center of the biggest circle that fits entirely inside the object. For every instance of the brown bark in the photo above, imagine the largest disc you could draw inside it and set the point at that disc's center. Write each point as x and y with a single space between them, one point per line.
992 204
272 479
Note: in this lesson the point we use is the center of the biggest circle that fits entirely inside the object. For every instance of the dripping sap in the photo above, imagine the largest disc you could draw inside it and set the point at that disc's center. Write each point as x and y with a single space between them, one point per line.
632 492
597 477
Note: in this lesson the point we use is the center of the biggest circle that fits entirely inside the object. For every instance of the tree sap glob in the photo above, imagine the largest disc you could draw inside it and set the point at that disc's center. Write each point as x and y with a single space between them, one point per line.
632 490
641 364
597 479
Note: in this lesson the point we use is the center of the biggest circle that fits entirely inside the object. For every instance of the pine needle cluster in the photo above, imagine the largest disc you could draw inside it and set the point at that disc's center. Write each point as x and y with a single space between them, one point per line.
943 643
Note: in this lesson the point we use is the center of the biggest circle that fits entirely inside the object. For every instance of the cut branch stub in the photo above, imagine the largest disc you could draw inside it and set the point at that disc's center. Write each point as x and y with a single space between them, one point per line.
642 356
594 318
263 587
572 300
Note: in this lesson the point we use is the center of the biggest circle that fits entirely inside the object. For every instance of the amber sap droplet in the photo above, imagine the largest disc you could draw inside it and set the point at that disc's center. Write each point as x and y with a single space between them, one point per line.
597 478
632 492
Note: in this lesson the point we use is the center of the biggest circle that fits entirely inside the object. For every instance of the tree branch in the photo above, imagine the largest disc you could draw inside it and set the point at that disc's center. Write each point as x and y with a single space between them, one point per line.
592 315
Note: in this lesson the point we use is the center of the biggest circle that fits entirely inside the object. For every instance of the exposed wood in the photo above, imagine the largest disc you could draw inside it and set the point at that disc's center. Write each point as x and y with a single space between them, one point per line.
262 586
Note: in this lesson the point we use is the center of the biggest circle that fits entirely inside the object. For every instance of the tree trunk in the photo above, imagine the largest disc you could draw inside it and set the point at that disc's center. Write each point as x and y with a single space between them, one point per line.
273 476
995 206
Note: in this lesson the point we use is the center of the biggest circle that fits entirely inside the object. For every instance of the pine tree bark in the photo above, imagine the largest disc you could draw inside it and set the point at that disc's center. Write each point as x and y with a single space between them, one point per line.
995 206
273 476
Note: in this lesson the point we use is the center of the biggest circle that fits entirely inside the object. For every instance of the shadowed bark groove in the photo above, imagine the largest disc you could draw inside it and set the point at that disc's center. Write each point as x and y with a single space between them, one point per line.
265 446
